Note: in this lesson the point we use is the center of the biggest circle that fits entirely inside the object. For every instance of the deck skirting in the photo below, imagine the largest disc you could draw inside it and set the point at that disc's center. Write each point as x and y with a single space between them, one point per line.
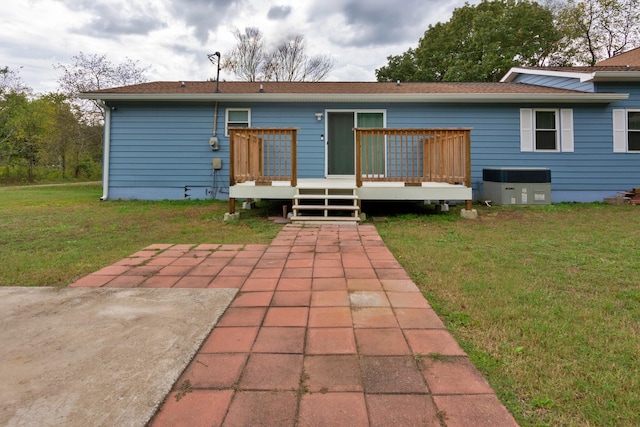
282 190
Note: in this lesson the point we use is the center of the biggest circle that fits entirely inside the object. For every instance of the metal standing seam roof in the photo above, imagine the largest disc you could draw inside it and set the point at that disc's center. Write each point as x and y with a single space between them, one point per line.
343 91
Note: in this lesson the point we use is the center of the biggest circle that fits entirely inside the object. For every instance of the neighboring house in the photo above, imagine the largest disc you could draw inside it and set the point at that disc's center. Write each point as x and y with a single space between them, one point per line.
415 141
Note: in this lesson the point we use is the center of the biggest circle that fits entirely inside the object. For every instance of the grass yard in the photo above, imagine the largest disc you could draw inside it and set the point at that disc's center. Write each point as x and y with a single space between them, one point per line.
545 300
51 236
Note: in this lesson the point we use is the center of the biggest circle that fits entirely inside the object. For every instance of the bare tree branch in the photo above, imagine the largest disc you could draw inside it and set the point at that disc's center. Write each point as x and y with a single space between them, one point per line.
95 72
288 61
247 57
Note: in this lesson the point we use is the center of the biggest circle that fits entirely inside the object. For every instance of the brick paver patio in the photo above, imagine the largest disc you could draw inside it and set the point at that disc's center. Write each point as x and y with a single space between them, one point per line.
327 330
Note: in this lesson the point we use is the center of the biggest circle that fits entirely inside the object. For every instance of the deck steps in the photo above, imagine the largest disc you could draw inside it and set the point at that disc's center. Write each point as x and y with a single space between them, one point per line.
326 205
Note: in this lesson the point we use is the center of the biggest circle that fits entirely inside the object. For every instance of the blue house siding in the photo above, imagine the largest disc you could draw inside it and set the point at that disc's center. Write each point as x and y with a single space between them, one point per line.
555 81
158 149
589 173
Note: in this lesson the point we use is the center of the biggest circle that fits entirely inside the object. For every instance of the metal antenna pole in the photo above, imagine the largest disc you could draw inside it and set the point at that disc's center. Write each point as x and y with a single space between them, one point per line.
211 56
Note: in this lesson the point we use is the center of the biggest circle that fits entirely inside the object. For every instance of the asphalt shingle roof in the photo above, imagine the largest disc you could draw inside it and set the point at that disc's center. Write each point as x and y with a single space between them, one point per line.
199 87
630 58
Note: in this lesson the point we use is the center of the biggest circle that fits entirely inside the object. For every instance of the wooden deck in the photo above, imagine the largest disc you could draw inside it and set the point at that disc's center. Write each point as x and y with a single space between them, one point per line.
368 191
391 164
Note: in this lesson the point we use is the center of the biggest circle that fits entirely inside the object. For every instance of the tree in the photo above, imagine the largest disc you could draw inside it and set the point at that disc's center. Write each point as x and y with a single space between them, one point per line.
288 61
42 135
10 81
95 72
12 89
479 43
598 29
70 143
247 57
26 123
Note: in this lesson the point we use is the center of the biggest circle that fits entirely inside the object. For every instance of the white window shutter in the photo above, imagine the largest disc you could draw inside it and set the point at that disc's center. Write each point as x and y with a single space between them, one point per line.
619 131
526 129
566 126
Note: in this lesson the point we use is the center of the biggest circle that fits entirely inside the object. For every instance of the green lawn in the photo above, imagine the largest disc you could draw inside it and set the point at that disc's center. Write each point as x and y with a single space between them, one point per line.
545 300
51 236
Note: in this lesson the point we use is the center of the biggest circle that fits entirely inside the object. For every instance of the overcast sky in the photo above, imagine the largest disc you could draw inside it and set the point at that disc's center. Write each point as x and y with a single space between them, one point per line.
173 37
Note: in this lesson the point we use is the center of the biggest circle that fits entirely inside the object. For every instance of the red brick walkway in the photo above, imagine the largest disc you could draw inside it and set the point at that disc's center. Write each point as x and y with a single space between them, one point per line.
327 330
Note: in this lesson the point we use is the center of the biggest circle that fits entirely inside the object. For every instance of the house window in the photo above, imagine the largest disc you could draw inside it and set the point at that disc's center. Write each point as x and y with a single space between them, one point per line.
633 120
238 118
626 131
546 130
546 134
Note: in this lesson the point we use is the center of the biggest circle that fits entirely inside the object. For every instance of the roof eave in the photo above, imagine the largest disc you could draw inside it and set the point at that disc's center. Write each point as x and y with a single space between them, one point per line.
513 73
582 76
386 98
616 76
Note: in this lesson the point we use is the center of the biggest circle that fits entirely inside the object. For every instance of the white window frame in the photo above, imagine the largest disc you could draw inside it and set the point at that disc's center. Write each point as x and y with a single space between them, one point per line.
226 118
563 129
555 129
621 130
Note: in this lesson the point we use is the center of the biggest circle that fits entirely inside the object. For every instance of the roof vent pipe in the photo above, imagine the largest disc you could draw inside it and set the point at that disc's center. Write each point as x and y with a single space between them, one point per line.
398 83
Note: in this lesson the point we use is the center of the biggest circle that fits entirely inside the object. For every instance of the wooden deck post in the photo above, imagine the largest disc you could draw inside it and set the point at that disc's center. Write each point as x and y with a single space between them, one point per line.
232 175
358 158
232 160
467 180
467 143
294 159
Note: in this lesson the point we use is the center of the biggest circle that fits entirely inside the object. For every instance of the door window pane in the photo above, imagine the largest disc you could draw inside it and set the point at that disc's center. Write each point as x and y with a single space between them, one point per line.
370 120
373 146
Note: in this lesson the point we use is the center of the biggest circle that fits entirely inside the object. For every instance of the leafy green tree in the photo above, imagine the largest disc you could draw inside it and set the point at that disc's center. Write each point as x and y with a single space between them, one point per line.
44 134
44 137
12 103
26 123
13 95
479 43
69 142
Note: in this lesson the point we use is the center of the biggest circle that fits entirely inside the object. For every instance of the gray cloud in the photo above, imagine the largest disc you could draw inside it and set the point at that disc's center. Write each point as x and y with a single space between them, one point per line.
109 20
105 28
204 16
378 22
279 12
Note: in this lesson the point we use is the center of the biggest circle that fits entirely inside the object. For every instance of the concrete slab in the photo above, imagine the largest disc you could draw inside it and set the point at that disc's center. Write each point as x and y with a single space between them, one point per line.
79 357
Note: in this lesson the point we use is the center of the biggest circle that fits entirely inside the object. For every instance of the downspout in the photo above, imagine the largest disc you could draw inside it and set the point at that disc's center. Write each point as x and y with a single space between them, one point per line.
107 149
